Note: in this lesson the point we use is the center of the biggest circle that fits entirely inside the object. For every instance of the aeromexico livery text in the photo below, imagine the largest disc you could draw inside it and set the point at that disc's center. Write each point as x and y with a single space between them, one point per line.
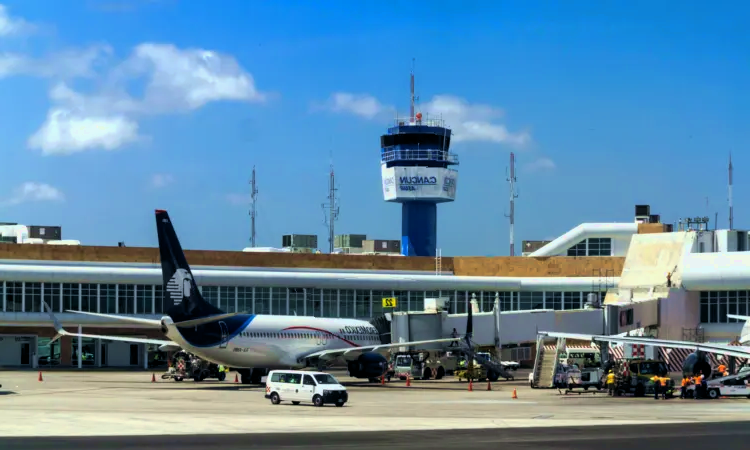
249 343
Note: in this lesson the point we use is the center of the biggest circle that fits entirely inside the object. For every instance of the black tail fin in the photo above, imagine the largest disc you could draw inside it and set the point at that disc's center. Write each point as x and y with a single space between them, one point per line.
181 300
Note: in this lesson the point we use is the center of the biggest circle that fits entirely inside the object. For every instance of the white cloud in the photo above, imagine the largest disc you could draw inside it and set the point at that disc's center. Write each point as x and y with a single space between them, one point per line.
472 122
469 122
33 192
540 164
161 180
176 81
71 63
66 132
12 25
362 105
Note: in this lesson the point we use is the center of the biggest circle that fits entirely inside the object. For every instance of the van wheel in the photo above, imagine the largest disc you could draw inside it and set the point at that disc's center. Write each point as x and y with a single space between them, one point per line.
318 400
275 399
427 373
295 403
640 390
713 394
440 373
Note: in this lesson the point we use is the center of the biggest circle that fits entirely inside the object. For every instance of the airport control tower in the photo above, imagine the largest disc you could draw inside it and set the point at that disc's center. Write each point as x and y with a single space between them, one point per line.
415 164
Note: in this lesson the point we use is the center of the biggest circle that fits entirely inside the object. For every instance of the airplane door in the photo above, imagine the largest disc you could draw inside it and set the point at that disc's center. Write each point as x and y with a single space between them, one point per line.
224 334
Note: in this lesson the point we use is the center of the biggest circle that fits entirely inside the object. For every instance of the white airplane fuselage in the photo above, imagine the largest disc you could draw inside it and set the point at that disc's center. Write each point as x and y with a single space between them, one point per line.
276 342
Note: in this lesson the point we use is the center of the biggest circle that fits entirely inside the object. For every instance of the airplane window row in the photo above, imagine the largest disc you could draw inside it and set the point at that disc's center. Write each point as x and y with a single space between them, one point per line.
302 336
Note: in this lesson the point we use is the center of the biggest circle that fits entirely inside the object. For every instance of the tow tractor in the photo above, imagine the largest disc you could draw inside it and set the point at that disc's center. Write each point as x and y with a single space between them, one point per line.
187 365
634 376
422 364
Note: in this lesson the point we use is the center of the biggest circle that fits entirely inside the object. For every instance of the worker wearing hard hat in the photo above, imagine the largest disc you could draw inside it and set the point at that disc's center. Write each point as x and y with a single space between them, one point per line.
611 383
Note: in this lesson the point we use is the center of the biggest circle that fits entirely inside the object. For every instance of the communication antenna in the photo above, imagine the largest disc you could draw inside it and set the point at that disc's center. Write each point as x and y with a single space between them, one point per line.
253 207
331 210
513 196
731 206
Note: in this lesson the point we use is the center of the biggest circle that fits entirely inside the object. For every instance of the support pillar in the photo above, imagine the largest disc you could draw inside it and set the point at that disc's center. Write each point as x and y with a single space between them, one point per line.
80 348
145 356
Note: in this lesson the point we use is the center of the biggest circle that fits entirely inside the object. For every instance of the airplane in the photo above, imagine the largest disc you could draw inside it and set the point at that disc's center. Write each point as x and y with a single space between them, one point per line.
252 344
695 363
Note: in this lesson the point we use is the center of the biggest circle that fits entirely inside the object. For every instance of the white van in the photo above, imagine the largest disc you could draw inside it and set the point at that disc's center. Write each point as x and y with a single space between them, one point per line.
301 386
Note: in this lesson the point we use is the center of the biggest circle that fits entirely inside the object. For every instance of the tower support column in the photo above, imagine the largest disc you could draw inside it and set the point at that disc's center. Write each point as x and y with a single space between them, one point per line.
418 228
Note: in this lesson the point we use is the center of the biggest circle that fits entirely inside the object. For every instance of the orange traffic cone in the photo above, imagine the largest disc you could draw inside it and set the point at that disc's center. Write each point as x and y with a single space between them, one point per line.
489 385
408 380
236 378
40 376
153 378
382 379
515 394
471 386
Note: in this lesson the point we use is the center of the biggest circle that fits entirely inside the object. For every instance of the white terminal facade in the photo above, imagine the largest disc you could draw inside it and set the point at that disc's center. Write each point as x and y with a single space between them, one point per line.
710 275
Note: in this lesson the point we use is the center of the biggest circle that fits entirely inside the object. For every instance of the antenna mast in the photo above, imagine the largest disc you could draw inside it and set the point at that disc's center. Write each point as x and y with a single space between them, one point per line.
731 206
332 208
253 207
513 196
411 101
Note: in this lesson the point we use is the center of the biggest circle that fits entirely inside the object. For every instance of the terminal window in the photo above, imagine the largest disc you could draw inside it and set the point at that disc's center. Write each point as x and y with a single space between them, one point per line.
715 305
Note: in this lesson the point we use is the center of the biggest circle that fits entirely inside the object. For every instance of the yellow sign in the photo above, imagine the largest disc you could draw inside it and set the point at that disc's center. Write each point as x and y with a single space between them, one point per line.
389 302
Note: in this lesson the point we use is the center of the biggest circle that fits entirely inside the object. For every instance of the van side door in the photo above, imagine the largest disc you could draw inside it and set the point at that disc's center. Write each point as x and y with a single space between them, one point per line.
307 390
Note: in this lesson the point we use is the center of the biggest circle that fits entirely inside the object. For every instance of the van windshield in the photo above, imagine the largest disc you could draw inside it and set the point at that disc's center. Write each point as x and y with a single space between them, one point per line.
325 379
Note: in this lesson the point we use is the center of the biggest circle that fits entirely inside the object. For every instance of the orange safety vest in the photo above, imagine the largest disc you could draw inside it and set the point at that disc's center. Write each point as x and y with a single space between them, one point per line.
685 382
722 368
663 381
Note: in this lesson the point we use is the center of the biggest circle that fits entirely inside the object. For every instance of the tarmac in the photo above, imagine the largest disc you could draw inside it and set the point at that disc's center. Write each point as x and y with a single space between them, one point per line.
105 403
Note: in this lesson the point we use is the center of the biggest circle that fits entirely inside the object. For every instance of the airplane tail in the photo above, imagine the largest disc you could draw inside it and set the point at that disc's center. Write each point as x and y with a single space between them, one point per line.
182 299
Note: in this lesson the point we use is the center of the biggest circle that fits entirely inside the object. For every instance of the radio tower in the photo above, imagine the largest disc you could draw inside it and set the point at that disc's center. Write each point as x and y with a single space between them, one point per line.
253 207
332 208
731 207
513 196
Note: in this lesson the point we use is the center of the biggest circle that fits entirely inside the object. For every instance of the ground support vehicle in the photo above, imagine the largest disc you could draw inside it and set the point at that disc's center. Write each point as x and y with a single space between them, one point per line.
730 386
186 365
634 377
298 386
423 365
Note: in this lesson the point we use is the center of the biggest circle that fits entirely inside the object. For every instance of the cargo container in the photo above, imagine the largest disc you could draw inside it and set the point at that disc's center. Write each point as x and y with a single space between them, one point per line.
45 232
382 246
299 240
349 240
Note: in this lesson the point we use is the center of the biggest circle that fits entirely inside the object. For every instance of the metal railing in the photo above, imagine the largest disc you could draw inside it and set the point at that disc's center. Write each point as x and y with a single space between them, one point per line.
419 155
424 122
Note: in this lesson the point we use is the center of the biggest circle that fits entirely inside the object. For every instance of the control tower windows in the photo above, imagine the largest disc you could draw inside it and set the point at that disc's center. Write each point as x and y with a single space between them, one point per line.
592 247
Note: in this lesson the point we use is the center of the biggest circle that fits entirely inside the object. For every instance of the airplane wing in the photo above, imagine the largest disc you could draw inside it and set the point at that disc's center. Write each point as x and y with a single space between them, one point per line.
62 332
353 351
730 350
139 320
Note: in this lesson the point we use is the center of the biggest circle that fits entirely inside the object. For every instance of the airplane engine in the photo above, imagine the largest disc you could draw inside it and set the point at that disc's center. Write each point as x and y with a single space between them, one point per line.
695 364
368 365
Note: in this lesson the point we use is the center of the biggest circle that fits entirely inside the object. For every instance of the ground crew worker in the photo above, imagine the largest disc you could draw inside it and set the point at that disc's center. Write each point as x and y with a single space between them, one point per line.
656 382
722 368
611 383
685 384
669 279
663 383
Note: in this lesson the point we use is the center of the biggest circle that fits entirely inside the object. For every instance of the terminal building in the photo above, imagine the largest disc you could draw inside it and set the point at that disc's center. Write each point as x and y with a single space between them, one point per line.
624 264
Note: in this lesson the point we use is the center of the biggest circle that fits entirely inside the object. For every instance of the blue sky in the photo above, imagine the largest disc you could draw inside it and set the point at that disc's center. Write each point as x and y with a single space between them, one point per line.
113 108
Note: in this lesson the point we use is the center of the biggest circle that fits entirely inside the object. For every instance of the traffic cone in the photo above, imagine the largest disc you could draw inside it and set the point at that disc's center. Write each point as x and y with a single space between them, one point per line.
408 380
489 385
153 378
471 386
40 376
236 378
382 379
515 394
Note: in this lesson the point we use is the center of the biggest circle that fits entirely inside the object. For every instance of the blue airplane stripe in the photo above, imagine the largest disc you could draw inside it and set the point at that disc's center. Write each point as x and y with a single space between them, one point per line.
235 326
